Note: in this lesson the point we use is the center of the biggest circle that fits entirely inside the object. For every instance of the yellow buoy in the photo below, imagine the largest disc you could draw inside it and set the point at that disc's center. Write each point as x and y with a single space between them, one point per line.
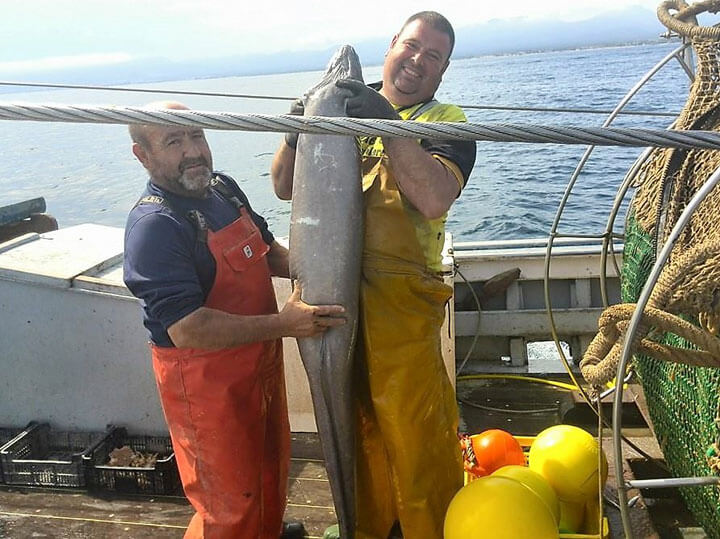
535 482
571 517
591 523
567 456
501 508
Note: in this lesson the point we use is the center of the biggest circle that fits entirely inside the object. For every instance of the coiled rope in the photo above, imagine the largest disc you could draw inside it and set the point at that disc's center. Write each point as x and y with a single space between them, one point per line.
684 20
500 132
683 286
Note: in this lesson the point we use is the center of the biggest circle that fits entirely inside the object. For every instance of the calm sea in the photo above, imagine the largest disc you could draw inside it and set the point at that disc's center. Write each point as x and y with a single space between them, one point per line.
87 173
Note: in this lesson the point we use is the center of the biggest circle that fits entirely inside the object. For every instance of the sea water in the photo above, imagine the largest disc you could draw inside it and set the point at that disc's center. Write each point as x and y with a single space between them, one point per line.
87 173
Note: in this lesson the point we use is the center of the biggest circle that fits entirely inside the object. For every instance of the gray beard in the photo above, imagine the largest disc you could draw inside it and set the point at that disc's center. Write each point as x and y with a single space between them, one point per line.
196 183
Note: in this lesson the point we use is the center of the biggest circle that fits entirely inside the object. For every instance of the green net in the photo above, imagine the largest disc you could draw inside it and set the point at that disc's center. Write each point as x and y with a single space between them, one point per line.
682 400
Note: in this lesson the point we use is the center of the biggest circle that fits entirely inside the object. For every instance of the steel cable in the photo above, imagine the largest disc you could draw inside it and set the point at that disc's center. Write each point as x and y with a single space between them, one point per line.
582 110
501 132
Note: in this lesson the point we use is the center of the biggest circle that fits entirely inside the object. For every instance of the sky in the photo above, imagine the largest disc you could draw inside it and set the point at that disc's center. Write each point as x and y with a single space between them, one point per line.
61 33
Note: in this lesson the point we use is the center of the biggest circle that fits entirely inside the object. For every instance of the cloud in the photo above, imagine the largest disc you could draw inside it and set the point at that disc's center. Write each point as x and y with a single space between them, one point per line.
190 30
64 62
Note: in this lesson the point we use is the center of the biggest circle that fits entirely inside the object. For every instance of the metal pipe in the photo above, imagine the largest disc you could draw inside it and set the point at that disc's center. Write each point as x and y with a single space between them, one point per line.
629 178
611 390
566 195
642 302
673 482
619 197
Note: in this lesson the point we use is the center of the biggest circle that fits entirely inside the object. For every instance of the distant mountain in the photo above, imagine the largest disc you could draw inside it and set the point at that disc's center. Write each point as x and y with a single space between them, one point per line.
629 25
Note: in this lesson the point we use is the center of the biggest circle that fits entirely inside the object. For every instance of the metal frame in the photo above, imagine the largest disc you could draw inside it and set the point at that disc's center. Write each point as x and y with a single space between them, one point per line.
608 235
683 55
623 486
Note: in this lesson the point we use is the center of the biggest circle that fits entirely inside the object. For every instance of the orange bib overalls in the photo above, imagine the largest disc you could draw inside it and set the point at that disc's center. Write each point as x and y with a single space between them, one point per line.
226 409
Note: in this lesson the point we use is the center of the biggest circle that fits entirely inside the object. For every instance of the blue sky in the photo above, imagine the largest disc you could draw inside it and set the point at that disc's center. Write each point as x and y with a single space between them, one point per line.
60 33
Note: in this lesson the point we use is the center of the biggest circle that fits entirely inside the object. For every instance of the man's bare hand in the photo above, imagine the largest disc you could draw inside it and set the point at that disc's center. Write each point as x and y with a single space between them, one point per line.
302 320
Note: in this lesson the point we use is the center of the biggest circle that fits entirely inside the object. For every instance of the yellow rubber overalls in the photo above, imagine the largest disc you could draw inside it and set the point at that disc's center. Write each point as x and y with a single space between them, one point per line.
409 464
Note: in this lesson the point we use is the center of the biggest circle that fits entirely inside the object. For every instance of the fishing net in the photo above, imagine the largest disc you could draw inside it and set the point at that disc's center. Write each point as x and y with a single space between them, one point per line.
676 344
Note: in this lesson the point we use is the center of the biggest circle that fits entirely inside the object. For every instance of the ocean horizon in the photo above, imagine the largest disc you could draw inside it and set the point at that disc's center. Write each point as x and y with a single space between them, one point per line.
40 81
87 173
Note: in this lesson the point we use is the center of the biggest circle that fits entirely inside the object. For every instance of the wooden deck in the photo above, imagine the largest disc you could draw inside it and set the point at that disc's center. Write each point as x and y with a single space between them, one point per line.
74 514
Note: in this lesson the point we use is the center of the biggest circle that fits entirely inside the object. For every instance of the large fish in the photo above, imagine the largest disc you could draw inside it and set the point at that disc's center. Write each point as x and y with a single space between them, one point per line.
326 238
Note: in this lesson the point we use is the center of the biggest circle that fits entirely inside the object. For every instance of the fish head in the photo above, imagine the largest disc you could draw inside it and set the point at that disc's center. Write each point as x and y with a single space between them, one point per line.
344 64
325 99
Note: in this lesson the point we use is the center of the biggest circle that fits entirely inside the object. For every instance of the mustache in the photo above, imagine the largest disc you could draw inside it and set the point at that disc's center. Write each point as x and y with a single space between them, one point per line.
192 162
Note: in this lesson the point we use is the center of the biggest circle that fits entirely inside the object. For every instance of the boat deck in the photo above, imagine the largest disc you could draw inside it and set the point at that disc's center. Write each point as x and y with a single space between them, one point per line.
75 514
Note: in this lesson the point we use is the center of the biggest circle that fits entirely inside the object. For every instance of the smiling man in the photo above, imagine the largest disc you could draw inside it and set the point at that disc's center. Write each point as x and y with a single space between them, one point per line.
200 260
408 465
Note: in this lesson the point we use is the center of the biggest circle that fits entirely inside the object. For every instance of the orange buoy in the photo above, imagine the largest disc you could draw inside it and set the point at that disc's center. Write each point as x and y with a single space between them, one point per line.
495 448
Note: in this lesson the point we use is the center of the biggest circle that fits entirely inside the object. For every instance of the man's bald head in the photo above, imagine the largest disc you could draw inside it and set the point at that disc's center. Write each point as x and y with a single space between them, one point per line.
139 132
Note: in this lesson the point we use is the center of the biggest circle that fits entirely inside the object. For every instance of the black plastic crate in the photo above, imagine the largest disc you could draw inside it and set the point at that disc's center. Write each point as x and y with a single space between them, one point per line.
42 456
6 435
162 478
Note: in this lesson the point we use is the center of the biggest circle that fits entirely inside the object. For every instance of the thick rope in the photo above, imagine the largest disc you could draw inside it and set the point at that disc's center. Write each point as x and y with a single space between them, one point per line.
599 364
685 285
684 22
598 136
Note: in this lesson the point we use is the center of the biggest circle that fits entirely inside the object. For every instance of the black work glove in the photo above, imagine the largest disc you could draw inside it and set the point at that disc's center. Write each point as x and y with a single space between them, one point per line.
366 102
296 109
